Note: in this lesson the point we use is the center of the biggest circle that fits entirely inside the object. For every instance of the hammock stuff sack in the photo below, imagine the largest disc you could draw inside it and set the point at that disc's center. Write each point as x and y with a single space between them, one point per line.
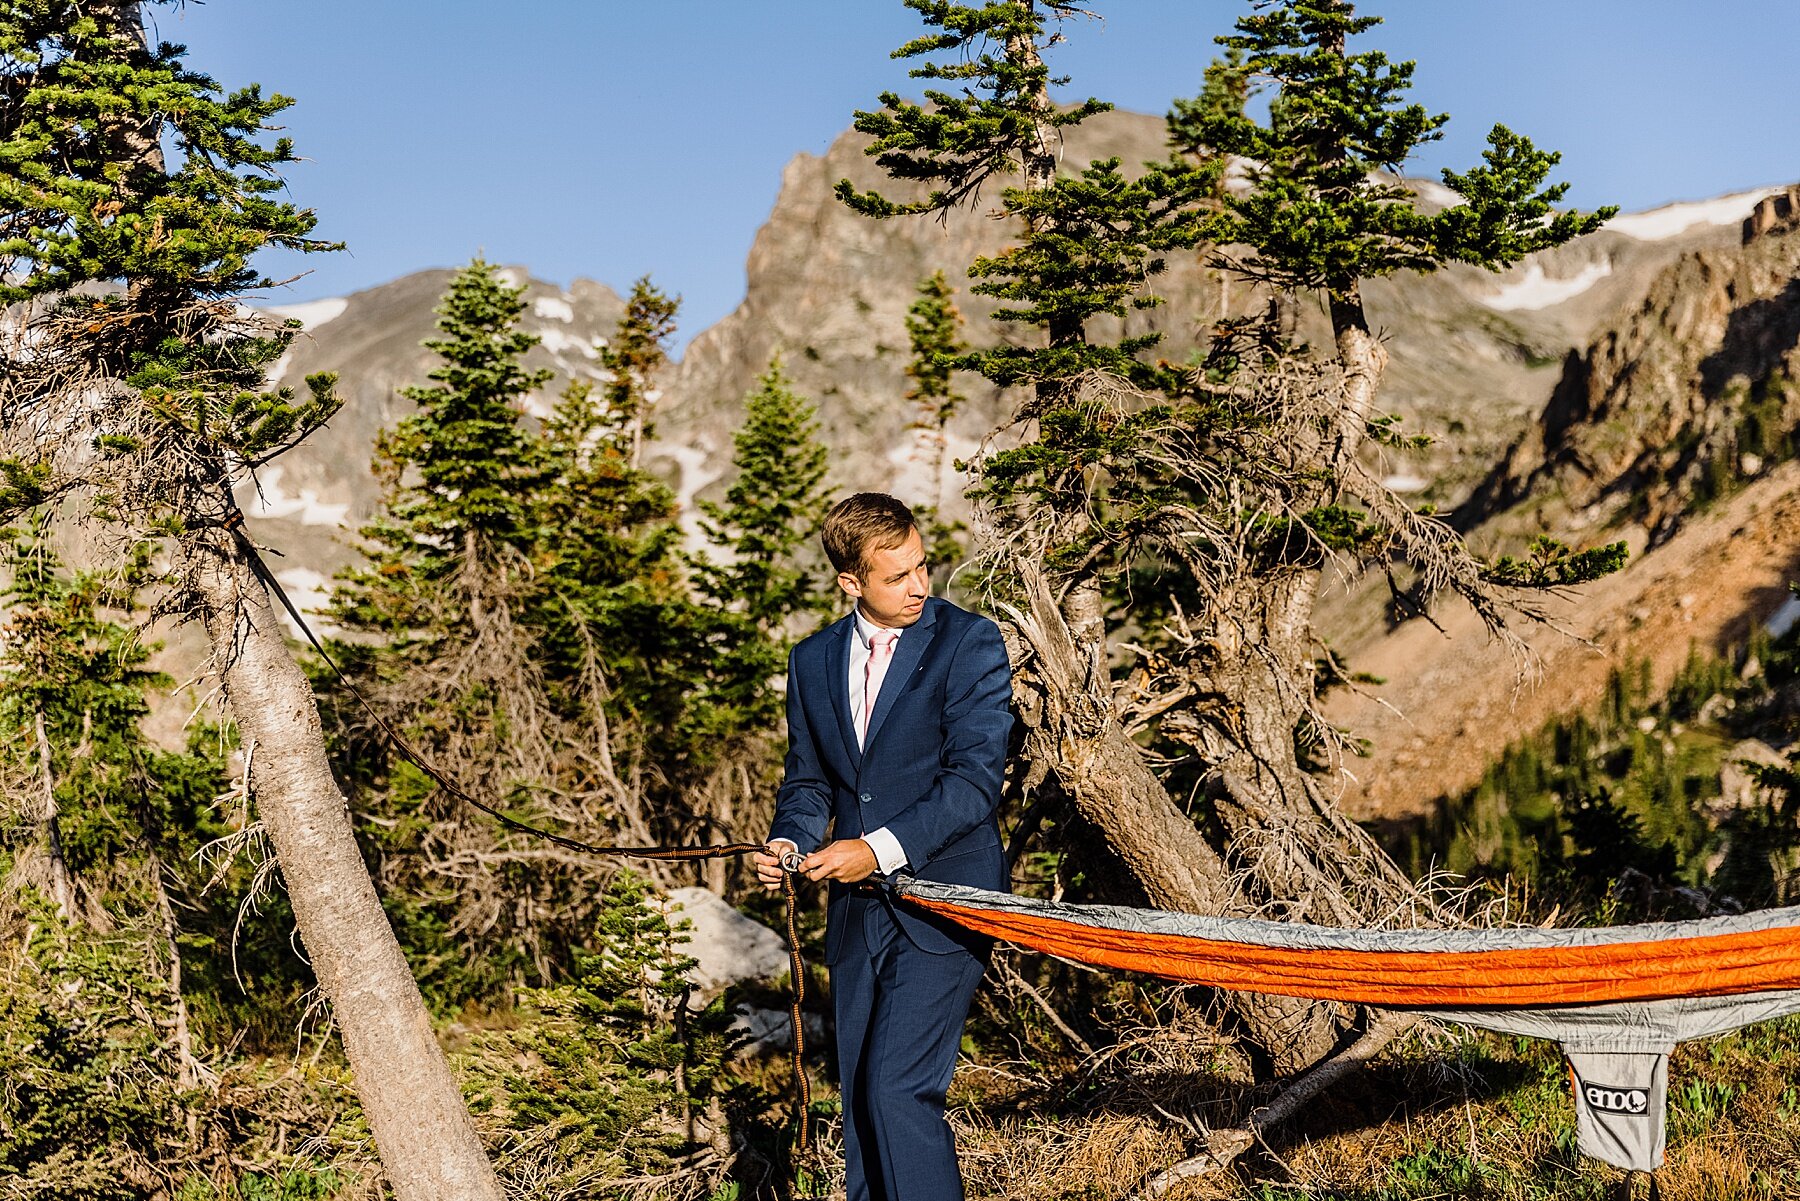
1617 999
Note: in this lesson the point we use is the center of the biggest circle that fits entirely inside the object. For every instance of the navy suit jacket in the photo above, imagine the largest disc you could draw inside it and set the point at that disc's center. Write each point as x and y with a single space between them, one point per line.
931 765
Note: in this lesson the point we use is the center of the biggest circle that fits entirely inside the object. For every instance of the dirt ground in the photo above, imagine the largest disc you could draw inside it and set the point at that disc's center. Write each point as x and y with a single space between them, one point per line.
1450 704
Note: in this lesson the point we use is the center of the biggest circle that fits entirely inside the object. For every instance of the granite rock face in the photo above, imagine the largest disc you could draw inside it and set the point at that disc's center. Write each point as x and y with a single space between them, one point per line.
1779 211
1677 400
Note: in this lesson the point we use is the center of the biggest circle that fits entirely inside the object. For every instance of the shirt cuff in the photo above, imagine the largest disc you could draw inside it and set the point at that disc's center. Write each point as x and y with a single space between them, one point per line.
890 856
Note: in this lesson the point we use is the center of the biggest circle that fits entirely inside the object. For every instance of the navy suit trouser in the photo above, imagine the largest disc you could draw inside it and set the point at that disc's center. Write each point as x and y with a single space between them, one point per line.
900 1014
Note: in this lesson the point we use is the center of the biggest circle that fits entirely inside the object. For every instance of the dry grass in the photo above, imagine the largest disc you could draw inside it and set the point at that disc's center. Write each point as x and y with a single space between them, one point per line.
1443 1116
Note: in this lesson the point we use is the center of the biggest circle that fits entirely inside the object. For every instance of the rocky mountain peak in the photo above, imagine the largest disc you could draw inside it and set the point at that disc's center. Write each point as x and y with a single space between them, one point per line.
1674 401
1776 213
1472 354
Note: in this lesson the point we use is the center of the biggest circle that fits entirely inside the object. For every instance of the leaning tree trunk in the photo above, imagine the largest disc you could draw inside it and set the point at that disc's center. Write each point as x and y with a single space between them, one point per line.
421 1125
1071 731
1293 854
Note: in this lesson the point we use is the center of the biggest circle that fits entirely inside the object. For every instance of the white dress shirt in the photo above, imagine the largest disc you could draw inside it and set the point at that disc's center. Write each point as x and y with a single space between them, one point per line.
890 856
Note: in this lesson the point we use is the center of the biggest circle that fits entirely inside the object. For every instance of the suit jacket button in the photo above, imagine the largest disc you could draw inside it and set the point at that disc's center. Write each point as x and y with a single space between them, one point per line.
866 799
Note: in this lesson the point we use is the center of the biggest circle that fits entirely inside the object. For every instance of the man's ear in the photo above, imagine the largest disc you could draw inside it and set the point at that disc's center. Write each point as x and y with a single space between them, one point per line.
850 584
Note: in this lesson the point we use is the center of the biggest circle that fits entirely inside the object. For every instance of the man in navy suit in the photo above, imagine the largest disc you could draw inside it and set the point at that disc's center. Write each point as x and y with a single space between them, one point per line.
898 720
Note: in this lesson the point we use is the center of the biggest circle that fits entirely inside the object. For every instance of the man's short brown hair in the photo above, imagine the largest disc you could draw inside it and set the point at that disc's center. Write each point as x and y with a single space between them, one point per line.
862 523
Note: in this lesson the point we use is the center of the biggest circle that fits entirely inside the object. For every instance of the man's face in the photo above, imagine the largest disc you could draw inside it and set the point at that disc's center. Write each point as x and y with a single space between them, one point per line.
895 584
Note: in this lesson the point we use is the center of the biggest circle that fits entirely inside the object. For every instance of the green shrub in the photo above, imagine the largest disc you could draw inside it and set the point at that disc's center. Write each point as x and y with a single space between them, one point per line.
91 1109
615 1074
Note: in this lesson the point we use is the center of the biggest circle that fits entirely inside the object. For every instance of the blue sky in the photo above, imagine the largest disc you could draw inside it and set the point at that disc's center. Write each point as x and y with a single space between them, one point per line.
610 138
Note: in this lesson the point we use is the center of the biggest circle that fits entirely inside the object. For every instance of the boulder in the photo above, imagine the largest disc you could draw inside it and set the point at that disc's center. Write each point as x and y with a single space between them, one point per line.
731 947
771 1031
1738 789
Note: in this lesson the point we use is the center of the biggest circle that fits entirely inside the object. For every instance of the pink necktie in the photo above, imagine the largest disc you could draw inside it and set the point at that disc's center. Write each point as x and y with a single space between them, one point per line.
881 650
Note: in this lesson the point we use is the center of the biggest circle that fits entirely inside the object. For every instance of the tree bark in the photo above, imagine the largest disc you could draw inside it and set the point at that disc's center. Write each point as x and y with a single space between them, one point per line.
1279 847
1071 727
190 1073
421 1126
61 882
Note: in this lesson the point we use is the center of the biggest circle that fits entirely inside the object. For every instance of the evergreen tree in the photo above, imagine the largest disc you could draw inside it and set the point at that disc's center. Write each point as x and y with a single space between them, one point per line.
472 457
458 474
138 968
452 602
535 636
934 330
1224 91
134 195
637 353
1087 244
94 1108
612 537
618 1068
117 820
771 513
74 690
1222 489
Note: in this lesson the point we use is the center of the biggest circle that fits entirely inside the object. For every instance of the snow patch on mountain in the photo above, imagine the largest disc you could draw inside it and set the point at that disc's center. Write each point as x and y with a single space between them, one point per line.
264 497
1435 193
1535 290
313 313
697 472
1672 219
560 342
553 308
914 472
1405 482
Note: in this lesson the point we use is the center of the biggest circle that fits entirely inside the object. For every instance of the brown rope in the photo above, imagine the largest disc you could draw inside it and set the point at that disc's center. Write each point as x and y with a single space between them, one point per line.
802 1085
234 523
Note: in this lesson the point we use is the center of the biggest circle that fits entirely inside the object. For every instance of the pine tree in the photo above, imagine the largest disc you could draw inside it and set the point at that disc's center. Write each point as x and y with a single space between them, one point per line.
612 538
1087 244
117 998
1224 92
95 1108
636 354
619 1069
74 690
458 474
117 820
772 510
934 331
473 458
459 609
141 359
1224 487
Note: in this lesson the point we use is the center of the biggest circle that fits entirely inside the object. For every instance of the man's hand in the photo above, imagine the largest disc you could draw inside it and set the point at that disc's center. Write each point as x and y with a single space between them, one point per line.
768 863
847 860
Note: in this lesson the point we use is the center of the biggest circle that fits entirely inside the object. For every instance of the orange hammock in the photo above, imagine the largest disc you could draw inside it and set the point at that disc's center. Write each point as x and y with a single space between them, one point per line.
1378 969
1617 999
